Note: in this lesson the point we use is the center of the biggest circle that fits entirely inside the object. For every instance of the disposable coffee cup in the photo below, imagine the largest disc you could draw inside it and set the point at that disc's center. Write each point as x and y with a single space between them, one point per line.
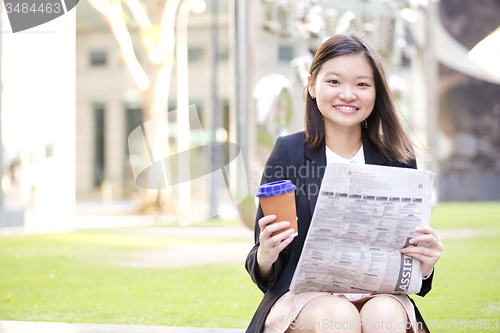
278 198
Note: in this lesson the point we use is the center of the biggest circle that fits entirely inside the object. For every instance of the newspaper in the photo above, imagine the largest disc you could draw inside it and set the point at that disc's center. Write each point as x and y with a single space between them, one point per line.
364 216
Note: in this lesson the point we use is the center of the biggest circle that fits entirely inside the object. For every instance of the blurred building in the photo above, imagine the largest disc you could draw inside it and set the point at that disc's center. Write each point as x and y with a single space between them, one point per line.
268 63
109 105
54 149
264 51
469 108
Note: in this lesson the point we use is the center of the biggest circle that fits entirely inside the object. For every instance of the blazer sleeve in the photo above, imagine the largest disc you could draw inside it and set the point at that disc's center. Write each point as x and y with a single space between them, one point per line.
275 169
426 285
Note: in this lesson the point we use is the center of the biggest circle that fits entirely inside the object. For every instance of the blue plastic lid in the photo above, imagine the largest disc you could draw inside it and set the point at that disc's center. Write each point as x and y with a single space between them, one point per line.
275 188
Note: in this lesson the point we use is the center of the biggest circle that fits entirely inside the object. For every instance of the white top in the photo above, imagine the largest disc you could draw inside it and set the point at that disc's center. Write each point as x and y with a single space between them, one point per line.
359 158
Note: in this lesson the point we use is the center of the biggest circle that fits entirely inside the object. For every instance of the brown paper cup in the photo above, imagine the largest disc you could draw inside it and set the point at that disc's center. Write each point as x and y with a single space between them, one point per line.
283 206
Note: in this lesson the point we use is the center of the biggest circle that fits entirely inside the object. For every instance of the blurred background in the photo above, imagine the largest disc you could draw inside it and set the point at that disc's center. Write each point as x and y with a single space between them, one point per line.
114 93
244 66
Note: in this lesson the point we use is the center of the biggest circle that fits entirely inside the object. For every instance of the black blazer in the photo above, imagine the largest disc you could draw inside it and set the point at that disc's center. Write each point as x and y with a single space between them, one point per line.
292 159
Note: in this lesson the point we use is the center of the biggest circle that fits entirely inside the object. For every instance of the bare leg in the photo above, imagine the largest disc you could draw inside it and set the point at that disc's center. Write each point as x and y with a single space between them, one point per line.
383 314
327 314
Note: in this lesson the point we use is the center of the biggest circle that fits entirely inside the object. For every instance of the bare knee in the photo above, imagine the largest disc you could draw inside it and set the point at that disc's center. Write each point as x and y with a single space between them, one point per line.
383 314
327 314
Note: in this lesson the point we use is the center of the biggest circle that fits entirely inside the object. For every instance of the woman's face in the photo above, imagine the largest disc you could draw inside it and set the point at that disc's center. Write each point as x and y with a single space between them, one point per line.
344 91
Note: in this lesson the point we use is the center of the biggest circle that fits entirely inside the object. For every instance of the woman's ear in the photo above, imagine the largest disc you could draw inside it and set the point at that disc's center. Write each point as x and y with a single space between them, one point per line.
310 87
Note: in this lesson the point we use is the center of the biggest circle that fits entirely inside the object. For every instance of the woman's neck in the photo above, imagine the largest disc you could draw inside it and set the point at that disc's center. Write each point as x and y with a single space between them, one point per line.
344 142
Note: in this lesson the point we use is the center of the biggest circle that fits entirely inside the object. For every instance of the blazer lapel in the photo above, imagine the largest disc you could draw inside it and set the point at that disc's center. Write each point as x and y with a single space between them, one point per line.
315 166
372 154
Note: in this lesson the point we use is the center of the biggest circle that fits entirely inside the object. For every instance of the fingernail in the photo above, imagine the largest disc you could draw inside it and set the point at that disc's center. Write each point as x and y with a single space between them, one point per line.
411 241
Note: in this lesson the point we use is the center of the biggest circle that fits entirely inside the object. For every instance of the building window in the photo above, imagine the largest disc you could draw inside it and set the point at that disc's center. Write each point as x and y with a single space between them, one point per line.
133 119
98 58
133 114
224 54
285 53
195 54
99 149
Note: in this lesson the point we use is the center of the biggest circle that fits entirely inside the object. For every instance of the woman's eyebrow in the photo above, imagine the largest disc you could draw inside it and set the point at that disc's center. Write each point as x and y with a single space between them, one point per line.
359 77
365 77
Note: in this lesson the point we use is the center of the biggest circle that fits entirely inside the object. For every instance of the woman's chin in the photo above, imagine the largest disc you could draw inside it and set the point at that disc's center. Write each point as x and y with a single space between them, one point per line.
345 124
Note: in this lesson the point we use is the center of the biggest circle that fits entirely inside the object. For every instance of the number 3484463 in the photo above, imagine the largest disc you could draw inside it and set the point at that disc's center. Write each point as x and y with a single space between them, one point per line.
33 8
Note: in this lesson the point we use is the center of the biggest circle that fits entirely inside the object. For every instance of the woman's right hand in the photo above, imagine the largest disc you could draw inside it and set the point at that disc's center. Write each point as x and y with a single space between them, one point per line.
270 246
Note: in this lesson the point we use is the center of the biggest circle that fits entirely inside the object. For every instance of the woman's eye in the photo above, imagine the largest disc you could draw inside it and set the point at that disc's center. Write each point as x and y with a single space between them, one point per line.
333 81
363 85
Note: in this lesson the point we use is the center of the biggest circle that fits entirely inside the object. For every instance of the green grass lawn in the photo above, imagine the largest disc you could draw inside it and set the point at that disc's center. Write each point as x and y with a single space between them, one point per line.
466 215
467 280
70 278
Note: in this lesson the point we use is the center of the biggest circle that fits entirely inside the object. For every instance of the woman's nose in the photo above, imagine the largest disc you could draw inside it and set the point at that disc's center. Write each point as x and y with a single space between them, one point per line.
347 95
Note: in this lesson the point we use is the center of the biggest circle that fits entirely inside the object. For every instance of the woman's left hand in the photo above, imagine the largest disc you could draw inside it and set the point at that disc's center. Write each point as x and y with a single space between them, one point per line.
427 255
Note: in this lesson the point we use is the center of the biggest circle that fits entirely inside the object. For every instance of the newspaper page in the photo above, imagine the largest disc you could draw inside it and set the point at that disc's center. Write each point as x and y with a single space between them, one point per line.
364 216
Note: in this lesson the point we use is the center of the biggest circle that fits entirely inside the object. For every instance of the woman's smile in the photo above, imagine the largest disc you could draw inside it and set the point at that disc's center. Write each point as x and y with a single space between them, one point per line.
346 108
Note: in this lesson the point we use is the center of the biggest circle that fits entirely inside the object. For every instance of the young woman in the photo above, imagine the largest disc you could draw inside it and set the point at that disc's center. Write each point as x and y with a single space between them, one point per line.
350 117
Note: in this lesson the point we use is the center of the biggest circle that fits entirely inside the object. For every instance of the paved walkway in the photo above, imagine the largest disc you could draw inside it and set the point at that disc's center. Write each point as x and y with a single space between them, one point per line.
232 247
43 327
214 245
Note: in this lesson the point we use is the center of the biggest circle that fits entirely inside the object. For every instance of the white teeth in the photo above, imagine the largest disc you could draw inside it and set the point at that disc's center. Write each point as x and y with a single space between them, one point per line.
346 108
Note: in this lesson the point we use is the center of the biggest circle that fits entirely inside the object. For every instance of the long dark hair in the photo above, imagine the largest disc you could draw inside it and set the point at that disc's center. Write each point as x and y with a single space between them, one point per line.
383 127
